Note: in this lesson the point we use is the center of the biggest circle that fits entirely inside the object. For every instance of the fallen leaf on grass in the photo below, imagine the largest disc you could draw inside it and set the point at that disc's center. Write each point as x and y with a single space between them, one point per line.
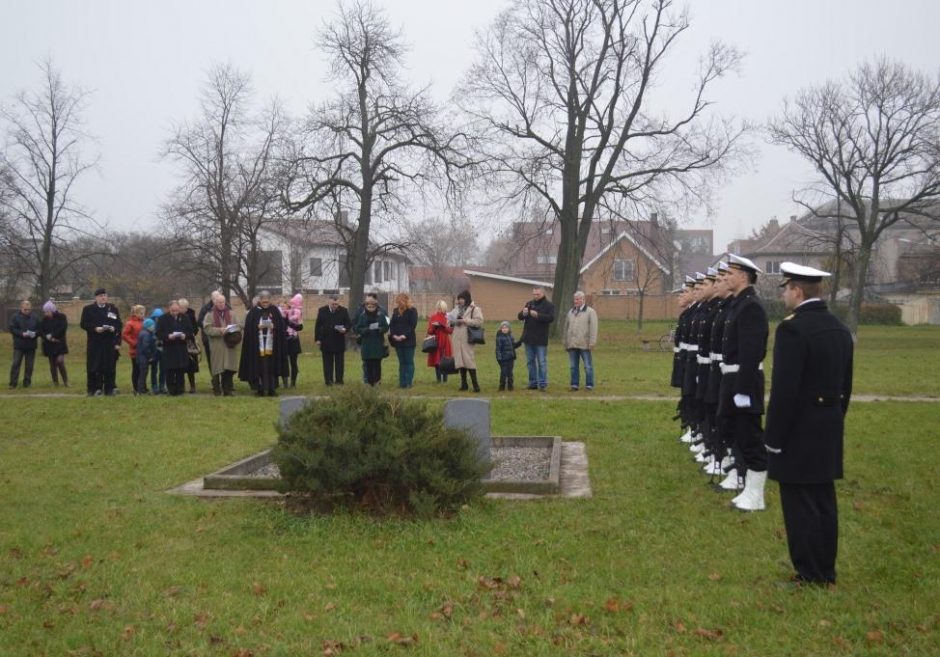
514 582
858 506
258 588
711 635
308 616
331 648
99 603
446 610
201 619
173 591
4 609
330 606
128 632
15 553
22 581
578 619
679 627
87 561
613 605
714 577
824 623
240 631
243 652
462 564
875 636
48 624
215 640
400 639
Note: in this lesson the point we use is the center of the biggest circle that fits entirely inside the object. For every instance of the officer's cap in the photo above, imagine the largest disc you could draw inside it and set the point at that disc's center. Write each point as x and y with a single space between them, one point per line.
740 262
689 281
794 272
711 273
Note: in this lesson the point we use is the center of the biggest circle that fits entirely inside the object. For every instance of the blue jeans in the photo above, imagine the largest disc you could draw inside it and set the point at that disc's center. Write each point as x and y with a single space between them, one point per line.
406 366
574 355
537 361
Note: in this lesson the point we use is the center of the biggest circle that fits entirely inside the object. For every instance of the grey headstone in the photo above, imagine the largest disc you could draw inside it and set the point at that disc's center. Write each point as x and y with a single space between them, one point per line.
473 415
289 406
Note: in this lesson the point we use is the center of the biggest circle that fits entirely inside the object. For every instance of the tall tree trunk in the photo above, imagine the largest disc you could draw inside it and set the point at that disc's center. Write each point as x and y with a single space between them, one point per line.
567 268
858 293
639 316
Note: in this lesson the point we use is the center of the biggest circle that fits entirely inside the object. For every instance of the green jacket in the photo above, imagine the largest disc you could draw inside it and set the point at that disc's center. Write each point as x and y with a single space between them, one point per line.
372 341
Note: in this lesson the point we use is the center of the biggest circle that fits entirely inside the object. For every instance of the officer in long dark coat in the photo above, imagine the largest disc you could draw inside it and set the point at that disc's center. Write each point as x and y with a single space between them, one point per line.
809 396
174 329
101 322
686 303
741 392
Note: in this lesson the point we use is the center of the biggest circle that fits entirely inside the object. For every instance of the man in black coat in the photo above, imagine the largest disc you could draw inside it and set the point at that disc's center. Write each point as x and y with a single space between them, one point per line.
175 329
741 391
101 322
24 326
809 396
536 317
683 326
264 350
330 334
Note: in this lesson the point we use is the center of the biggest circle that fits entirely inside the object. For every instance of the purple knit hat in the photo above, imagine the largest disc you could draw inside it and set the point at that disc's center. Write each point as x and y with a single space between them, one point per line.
49 306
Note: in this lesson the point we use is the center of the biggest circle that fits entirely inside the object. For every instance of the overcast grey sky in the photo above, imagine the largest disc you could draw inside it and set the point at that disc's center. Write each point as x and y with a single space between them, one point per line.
145 62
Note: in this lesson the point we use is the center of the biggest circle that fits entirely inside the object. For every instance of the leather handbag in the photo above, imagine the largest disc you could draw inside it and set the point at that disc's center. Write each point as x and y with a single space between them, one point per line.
429 345
476 335
447 365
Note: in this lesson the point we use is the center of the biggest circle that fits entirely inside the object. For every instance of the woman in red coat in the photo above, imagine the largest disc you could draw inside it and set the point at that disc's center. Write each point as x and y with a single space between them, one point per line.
440 327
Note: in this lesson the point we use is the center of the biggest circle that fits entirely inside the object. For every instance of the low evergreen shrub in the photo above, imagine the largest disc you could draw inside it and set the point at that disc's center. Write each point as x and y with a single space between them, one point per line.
385 454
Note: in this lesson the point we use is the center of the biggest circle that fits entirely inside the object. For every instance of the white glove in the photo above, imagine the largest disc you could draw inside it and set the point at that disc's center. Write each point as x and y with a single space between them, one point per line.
742 401
773 450
374 326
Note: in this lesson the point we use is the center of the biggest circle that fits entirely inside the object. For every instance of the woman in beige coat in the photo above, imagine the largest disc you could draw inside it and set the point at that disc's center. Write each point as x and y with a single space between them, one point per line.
223 359
464 315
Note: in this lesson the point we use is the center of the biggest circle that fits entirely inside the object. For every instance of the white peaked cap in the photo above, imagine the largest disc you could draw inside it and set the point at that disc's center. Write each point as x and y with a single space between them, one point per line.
743 263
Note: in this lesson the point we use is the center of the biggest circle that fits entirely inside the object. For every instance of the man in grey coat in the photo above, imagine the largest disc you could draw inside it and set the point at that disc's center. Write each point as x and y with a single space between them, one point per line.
580 338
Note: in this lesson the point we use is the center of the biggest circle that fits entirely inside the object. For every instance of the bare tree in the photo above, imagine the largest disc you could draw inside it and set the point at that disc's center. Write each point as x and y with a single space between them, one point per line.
443 241
374 142
872 139
228 190
562 91
43 160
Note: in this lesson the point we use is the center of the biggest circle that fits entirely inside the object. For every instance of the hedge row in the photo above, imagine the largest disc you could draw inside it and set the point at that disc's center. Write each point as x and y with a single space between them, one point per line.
885 314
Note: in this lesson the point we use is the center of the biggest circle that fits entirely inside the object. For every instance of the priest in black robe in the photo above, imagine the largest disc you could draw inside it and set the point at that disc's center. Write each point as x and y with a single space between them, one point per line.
264 348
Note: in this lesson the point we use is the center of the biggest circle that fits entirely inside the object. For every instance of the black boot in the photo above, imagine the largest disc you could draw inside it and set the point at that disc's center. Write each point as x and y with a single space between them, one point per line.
463 378
217 384
473 379
509 384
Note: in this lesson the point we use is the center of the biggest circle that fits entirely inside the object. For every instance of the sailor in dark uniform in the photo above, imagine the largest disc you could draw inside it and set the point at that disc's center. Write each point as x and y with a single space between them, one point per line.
687 303
809 396
710 374
690 370
741 392
703 363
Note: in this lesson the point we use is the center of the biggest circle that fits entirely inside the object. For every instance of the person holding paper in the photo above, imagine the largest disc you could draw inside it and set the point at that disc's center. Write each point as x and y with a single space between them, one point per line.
174 329
102 324
222 359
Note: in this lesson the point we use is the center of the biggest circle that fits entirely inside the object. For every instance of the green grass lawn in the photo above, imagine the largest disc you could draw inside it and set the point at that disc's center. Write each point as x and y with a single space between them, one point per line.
96 559
901 360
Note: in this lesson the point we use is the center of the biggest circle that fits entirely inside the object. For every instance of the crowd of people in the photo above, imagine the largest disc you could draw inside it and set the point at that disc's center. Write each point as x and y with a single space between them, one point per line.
720 345
166 348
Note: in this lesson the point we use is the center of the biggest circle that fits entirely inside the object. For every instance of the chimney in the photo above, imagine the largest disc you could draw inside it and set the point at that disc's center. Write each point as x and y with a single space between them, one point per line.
654 218
792 217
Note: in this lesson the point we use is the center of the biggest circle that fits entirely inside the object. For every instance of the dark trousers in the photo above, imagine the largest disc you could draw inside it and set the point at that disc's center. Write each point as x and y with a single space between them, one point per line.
440 376
101 381
333 364
142 368
505 373
19 355
223 383
175 381
748 437
292 370
811 517
135 377
406 366
373 368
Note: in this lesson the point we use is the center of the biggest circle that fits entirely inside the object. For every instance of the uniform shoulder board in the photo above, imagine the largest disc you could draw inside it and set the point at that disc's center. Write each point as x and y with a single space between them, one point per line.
790 316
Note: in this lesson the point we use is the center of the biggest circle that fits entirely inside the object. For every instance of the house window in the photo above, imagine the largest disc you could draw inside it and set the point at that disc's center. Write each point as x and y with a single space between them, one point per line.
605 230
610 293
388 270
546 259
269 272
316 266
623 270
377 273
772 267
342 273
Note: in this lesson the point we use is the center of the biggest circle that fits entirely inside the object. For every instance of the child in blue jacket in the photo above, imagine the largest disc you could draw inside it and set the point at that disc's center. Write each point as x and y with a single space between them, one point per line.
146 354
505 355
